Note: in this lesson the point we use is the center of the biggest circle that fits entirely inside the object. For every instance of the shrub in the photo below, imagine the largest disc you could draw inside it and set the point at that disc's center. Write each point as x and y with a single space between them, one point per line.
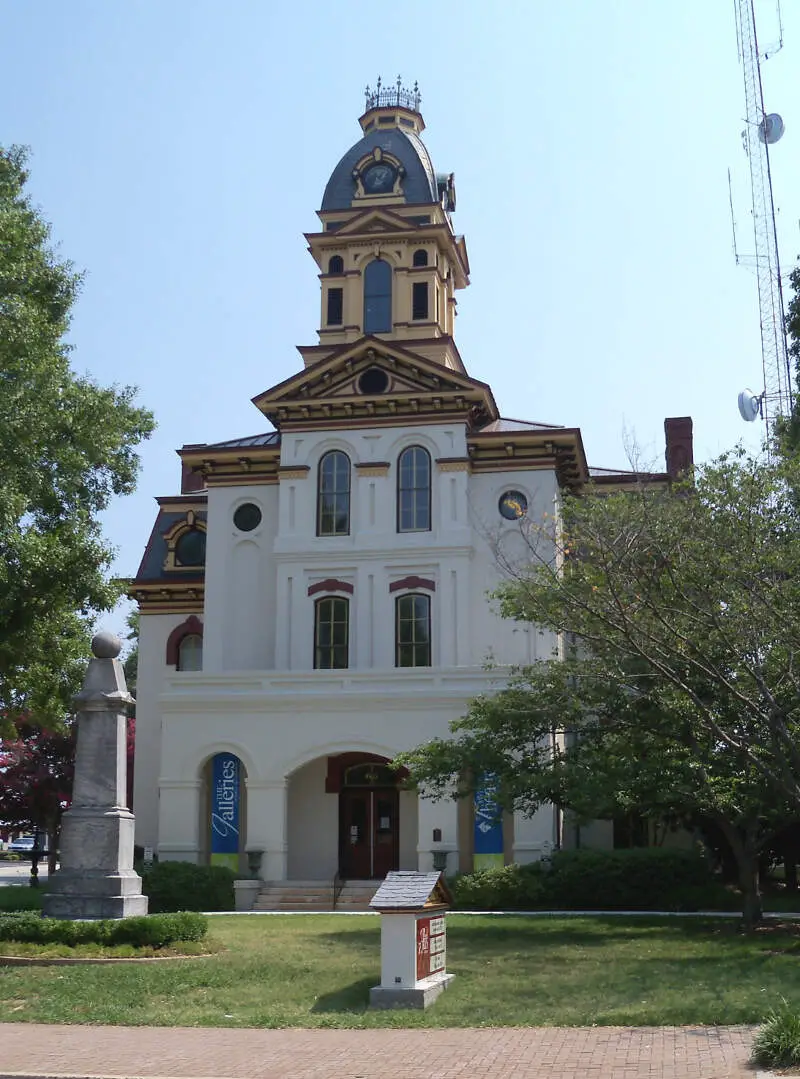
777 1043
20 897
175 886
640 879
151 930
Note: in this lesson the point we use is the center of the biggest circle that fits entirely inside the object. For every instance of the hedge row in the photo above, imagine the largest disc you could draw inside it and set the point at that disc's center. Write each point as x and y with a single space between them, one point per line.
152 930
639 879
186 886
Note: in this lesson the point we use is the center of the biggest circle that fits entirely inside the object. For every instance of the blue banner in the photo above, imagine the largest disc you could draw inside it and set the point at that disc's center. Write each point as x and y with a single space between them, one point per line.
488 843
225 811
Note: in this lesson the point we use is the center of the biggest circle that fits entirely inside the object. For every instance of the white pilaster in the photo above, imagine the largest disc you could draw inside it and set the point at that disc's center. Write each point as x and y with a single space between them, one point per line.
266 825
441 815
179 820
531 833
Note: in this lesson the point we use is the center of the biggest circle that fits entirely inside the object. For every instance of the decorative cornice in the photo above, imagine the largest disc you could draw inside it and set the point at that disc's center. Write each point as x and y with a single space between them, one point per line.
373 468
406 583
293 472
330 584
168 597
454 464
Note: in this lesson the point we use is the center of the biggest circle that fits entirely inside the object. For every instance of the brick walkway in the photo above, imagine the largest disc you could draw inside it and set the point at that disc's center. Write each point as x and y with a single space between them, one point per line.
500 1053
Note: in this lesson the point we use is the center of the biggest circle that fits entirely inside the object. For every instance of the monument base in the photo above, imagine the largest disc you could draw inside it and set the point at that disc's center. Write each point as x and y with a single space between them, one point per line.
422 995
93 907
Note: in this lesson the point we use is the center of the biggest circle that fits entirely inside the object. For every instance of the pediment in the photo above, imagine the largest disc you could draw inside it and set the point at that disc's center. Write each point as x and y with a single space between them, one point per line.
412 385
375 220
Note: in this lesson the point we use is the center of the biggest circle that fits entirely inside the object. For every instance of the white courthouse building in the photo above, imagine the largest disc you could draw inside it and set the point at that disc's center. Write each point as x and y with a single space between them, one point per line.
316 598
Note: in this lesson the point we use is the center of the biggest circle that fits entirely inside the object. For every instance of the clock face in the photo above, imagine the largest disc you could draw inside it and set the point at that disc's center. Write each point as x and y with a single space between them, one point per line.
513 505
378 179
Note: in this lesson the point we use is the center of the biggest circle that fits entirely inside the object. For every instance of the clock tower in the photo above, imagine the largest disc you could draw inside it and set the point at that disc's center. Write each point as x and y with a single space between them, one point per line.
389 258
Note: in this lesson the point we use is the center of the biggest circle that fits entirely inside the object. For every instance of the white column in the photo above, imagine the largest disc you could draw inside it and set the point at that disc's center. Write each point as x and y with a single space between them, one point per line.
179 820
531 833
443 816
266 825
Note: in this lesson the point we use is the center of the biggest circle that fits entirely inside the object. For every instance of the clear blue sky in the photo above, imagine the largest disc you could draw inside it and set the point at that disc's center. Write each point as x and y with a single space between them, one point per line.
181 148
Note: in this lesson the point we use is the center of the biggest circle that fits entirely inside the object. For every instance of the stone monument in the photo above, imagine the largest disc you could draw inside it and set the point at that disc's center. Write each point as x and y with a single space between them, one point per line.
96 878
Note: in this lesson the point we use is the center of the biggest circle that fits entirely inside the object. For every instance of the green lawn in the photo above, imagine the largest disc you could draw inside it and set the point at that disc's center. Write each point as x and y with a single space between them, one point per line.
316 971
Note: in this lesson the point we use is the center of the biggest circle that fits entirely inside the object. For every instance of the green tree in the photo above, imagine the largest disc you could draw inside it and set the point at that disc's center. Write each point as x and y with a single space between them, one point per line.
67 446
792 431
679 612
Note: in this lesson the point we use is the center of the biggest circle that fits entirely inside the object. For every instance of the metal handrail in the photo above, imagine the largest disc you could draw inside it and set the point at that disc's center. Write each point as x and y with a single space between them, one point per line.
336 891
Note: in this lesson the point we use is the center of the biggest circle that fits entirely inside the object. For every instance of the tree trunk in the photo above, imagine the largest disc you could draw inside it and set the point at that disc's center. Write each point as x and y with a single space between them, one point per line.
746 849
752 910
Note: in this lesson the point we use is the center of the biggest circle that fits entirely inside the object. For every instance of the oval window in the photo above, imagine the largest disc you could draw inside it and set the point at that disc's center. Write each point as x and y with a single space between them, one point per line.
513 505
373 380
190 550
247 517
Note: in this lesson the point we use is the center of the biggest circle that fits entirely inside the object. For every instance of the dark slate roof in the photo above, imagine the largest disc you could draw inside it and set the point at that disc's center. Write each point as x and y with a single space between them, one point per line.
506 424
269 438
405 889
419 184
152 565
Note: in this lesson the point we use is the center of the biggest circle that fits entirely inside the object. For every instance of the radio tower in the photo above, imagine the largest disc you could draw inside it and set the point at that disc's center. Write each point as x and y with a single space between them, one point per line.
762 130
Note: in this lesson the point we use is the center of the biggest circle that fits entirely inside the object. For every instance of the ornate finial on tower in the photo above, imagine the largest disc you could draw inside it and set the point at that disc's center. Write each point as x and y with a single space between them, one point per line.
398 97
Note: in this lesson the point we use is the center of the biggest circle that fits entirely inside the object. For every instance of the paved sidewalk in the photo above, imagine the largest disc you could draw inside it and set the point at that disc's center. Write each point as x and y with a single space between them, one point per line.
494 1053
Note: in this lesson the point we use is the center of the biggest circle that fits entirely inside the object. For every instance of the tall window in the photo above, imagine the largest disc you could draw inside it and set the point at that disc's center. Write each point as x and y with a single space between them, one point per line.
419 300
413 631
335 306
378 297
333 498
414 490
331 633
190 653
336 264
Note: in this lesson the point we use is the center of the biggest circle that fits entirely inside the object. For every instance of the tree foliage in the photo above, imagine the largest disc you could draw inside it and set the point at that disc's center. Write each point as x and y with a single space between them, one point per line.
792 430
679 690
67 446
37 769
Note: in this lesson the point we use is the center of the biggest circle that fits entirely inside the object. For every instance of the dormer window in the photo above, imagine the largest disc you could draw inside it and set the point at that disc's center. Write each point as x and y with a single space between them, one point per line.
378 297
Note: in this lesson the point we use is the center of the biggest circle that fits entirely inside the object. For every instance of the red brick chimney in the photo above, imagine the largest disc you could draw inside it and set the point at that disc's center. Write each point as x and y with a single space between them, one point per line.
680 449
191 480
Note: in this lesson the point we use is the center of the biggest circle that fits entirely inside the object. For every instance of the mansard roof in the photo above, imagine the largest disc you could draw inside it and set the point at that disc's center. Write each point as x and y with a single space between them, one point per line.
419 181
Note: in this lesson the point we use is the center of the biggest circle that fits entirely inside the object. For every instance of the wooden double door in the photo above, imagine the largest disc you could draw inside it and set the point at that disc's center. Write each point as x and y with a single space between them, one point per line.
368 832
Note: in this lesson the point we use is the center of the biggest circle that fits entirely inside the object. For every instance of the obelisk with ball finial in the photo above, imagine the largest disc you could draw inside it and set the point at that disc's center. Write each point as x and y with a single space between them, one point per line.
97 878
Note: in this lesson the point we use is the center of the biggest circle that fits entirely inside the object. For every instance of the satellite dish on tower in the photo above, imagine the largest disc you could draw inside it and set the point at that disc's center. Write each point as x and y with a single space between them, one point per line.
749 405
771 128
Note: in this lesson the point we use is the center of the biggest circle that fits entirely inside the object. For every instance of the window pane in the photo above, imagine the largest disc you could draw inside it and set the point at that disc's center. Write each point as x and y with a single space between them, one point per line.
378 297
414 490
331 633
333 508
413 631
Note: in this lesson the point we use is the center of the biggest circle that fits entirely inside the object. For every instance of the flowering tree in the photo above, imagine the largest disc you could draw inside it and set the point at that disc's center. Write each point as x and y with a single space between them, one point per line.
37 770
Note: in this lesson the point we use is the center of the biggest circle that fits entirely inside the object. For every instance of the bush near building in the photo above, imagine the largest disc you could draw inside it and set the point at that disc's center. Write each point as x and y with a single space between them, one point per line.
174 886
645 879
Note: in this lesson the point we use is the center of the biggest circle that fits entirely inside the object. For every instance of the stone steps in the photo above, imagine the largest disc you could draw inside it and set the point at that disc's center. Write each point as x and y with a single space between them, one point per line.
300 895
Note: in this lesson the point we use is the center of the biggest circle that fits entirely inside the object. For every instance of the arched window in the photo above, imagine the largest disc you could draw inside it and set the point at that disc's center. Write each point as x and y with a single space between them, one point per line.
190 653
414 490
420 258
333 495
412 631
331 633
336 264
378 297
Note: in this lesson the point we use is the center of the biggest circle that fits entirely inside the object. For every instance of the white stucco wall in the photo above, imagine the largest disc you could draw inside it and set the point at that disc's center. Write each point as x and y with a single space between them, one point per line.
154 630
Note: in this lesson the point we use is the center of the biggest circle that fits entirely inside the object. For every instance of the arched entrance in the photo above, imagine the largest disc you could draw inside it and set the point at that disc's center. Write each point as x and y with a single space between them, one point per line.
369 815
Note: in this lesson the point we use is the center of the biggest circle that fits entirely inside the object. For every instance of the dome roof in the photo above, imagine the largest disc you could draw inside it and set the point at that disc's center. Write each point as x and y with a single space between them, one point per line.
419 184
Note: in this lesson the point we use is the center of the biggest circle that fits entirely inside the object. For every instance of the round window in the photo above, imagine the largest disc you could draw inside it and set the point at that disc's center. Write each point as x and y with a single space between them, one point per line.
190 550
513 505
247 517
373 380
